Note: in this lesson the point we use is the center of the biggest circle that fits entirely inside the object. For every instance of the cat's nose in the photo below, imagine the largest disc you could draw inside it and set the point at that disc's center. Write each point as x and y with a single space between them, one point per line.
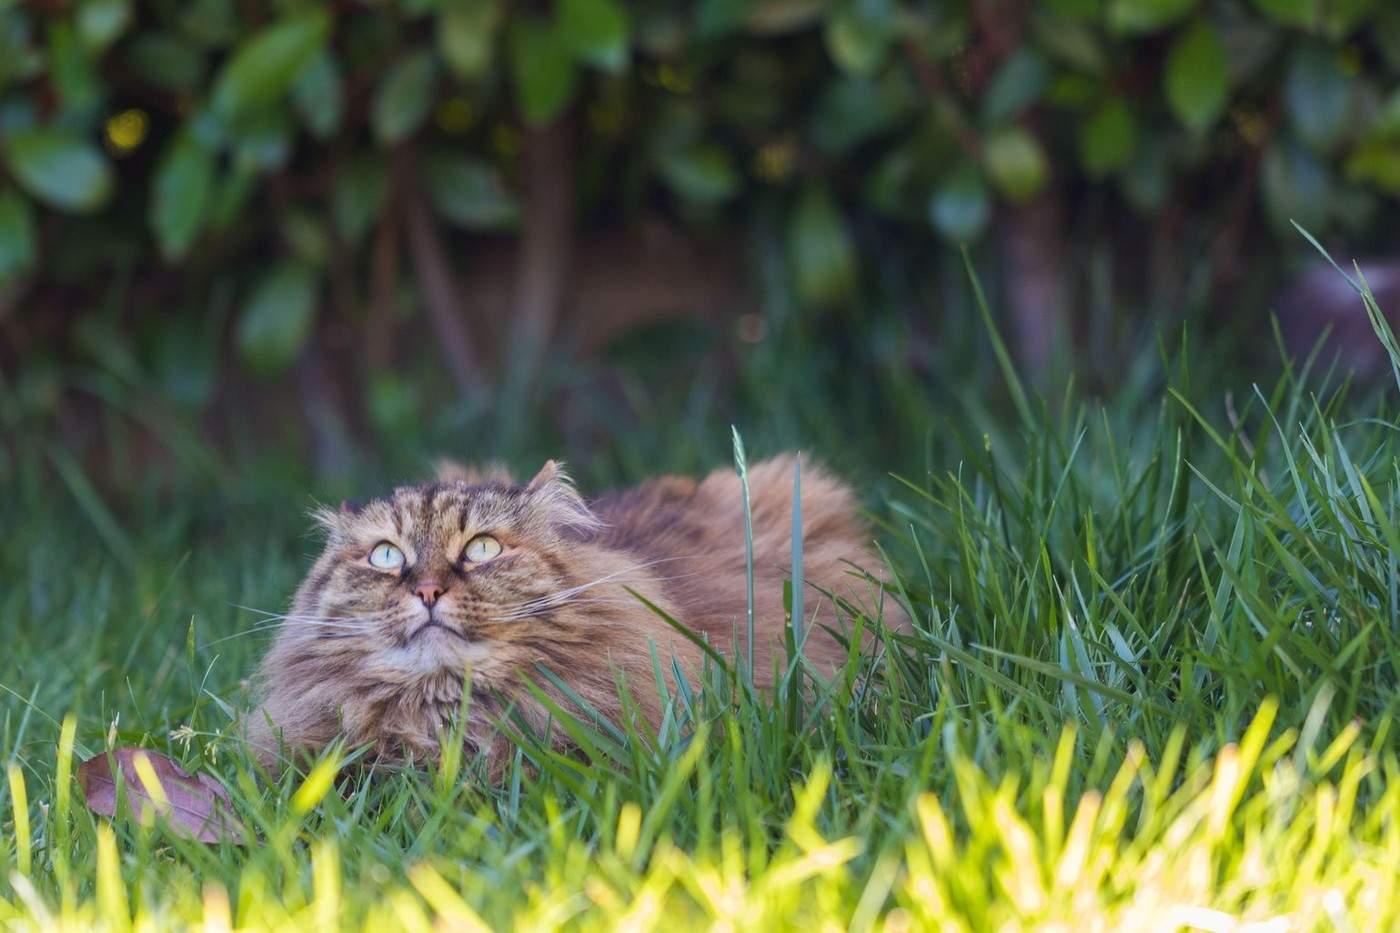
428 592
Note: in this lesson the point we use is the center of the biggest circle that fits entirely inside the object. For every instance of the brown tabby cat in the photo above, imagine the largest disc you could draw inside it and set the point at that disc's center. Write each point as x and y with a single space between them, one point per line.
475 574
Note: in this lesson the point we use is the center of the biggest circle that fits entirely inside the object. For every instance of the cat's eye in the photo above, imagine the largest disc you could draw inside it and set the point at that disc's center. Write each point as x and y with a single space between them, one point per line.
386 556
481 548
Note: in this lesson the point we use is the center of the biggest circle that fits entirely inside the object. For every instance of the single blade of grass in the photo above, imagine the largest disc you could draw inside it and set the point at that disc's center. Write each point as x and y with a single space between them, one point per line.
742 468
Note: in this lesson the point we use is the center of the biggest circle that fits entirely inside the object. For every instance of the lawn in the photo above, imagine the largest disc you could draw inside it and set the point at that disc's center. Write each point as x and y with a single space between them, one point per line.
1151 684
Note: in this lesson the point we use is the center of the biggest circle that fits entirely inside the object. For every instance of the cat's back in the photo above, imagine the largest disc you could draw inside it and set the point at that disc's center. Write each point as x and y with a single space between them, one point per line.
690 534
657 518
674 514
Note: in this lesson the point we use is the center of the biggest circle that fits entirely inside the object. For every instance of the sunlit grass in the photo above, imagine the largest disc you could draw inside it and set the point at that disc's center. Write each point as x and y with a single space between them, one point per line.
1269 834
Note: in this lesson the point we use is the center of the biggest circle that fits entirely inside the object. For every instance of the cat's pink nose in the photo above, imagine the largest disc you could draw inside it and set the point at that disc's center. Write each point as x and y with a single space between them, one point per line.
428 593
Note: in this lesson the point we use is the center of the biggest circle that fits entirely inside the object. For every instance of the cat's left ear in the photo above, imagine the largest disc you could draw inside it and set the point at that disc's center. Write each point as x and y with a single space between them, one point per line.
552 471
554 491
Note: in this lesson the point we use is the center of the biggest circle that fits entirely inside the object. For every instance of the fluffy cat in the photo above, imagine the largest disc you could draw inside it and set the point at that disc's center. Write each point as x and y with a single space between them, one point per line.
473 572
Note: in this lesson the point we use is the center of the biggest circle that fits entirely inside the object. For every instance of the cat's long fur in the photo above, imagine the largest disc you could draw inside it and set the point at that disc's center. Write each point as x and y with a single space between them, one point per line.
352 658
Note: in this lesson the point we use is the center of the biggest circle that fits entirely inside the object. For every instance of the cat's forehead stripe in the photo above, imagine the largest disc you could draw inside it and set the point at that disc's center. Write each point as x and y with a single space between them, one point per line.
418 512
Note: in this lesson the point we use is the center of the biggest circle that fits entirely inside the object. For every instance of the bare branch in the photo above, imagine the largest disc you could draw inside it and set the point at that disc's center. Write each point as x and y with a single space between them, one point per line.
546 240
439 288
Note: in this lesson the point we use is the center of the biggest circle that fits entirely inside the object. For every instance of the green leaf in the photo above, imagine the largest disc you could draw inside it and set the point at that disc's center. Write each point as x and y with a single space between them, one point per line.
466 35
1387 122
180 195
703 173
852 111
1318 97
1342 17
1197 78
359 195
16 235
403 97
1145 16
1301 13
231 195
543 71
276 319
319 97
59 168
595 32
1071 41
1071 91
858 33
1016 85
961 207
265 66
101 22
1108 139
715 18
1376 162
306 237
469 193
887 187
820 251
1015 163
72 73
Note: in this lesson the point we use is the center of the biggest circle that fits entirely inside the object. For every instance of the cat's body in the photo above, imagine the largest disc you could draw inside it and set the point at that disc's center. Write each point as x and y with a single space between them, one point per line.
474 573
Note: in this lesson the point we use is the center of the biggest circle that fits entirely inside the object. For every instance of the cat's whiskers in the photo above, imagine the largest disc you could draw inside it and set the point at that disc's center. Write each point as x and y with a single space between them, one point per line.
274 617
273 623
590 601
550 601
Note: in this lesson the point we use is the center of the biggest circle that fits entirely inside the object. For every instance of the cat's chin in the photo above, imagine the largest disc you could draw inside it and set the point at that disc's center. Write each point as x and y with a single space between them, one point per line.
436 648
437 630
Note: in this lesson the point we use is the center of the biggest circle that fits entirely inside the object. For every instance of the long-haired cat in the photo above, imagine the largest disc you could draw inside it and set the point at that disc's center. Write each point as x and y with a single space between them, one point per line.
476 579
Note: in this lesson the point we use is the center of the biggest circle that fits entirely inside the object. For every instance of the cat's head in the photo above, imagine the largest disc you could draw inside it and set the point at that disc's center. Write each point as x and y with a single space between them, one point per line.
439 577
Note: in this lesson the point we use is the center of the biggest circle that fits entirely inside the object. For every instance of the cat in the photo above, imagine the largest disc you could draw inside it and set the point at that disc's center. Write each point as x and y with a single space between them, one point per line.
474 573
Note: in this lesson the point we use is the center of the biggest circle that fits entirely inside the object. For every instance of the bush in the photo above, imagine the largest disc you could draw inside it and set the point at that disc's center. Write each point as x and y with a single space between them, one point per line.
188 151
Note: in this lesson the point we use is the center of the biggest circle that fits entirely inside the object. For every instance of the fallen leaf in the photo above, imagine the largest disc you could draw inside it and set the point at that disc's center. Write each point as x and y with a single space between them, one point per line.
196 806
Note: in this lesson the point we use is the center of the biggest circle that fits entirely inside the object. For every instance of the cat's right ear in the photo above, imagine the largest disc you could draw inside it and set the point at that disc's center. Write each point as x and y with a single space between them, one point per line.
350 507
552 490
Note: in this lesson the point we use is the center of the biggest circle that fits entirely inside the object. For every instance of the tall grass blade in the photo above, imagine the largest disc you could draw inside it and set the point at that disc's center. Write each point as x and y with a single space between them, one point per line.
1008 369
742 467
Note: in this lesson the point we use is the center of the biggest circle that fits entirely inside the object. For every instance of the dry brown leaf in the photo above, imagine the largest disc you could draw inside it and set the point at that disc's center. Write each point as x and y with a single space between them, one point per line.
196 806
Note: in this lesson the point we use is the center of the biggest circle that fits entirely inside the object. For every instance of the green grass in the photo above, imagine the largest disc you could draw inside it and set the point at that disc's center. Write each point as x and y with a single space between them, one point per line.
1153 679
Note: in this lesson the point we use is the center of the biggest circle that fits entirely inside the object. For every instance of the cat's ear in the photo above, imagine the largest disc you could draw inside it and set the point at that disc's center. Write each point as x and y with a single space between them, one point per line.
553 491
450 471
549 473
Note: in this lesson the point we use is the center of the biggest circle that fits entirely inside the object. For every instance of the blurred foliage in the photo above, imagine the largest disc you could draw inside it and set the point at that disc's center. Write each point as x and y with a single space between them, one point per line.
249 150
